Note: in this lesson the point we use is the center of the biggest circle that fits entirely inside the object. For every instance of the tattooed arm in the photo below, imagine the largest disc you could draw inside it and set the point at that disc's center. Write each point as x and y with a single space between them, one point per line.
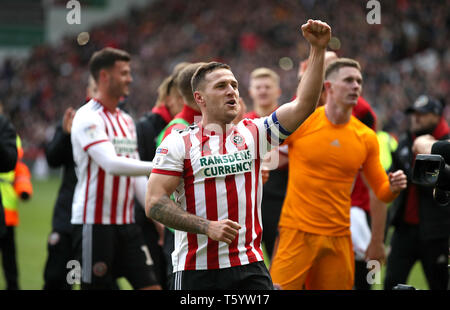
161 208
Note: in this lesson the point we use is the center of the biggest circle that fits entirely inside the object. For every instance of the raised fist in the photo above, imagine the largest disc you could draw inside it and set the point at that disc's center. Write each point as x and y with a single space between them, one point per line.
317 33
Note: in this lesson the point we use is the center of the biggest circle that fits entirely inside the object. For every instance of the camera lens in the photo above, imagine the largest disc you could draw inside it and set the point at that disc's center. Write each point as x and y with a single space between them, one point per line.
442 197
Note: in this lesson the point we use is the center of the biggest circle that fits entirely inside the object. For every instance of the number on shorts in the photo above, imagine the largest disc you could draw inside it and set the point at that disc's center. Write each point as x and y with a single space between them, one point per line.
148 257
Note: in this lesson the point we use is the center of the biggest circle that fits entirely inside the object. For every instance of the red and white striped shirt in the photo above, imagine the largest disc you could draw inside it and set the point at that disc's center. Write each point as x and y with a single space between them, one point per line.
221 179
100 197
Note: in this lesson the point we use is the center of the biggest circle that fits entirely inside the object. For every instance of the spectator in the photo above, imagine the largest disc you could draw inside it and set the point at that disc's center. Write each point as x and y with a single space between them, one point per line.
59 244
422 226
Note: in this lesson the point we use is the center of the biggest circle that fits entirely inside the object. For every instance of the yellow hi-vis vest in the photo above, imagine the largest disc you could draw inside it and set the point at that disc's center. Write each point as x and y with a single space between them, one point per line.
9 195
387 144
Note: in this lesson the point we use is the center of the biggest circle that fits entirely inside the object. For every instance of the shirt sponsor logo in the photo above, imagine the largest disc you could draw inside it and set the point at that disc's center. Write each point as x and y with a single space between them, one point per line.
223 165
124 146
162 151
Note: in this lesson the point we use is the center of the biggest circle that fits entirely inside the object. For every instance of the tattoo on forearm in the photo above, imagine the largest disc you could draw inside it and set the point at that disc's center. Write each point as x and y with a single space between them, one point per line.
170 214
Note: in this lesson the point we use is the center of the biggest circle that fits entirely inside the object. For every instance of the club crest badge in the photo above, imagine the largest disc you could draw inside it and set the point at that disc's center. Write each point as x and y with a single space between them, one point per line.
237 139
99 269
53 239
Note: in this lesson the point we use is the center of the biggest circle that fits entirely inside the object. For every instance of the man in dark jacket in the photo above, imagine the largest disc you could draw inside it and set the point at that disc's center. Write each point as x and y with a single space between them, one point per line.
169 103
59 246
8 157
422 227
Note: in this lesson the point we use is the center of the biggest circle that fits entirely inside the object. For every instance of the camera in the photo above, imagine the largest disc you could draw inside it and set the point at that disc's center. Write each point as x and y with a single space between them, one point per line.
431 170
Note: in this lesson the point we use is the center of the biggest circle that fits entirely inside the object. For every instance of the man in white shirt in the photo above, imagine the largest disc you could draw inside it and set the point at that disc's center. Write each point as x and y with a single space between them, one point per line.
106 240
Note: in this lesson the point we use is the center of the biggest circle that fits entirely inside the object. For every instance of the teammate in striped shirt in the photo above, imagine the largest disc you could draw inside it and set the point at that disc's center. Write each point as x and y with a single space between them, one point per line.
107 241
214 170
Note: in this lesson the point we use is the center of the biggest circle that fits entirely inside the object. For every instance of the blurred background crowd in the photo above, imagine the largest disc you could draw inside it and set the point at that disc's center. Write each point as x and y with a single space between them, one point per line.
402 57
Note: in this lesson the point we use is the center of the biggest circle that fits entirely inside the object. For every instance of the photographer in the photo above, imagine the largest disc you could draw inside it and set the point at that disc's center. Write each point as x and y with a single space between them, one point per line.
422 226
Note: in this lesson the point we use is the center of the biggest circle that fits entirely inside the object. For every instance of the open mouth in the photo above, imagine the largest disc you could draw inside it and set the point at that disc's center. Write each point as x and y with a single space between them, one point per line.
231 102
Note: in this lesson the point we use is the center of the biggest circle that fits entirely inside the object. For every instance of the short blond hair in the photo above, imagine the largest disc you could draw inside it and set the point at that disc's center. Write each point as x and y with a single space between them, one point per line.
263 73
339 63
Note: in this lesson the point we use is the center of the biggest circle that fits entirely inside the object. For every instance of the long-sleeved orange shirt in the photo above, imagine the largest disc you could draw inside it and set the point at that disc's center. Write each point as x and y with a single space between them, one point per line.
324 160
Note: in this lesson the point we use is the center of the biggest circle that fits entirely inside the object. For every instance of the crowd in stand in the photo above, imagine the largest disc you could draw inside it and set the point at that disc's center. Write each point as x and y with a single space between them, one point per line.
402 57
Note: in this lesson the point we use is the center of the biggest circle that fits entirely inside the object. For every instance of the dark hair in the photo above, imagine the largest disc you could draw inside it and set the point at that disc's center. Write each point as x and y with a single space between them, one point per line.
169 84
106 58
341 63
183 81
164 90
175 72
199 75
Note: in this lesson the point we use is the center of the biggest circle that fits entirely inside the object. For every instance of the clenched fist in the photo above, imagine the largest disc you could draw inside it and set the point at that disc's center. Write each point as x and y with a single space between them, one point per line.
397 181
317 33
224 230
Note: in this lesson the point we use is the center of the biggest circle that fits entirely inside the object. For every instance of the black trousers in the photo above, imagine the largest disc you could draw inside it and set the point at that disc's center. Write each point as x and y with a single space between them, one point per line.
407 248
107 252
2 219
168 248
59 251
271 211
361 272
9 260
151 237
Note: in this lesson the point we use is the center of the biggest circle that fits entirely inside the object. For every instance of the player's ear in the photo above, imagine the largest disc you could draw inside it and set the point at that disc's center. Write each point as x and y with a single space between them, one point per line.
103 75
199 99
327 85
